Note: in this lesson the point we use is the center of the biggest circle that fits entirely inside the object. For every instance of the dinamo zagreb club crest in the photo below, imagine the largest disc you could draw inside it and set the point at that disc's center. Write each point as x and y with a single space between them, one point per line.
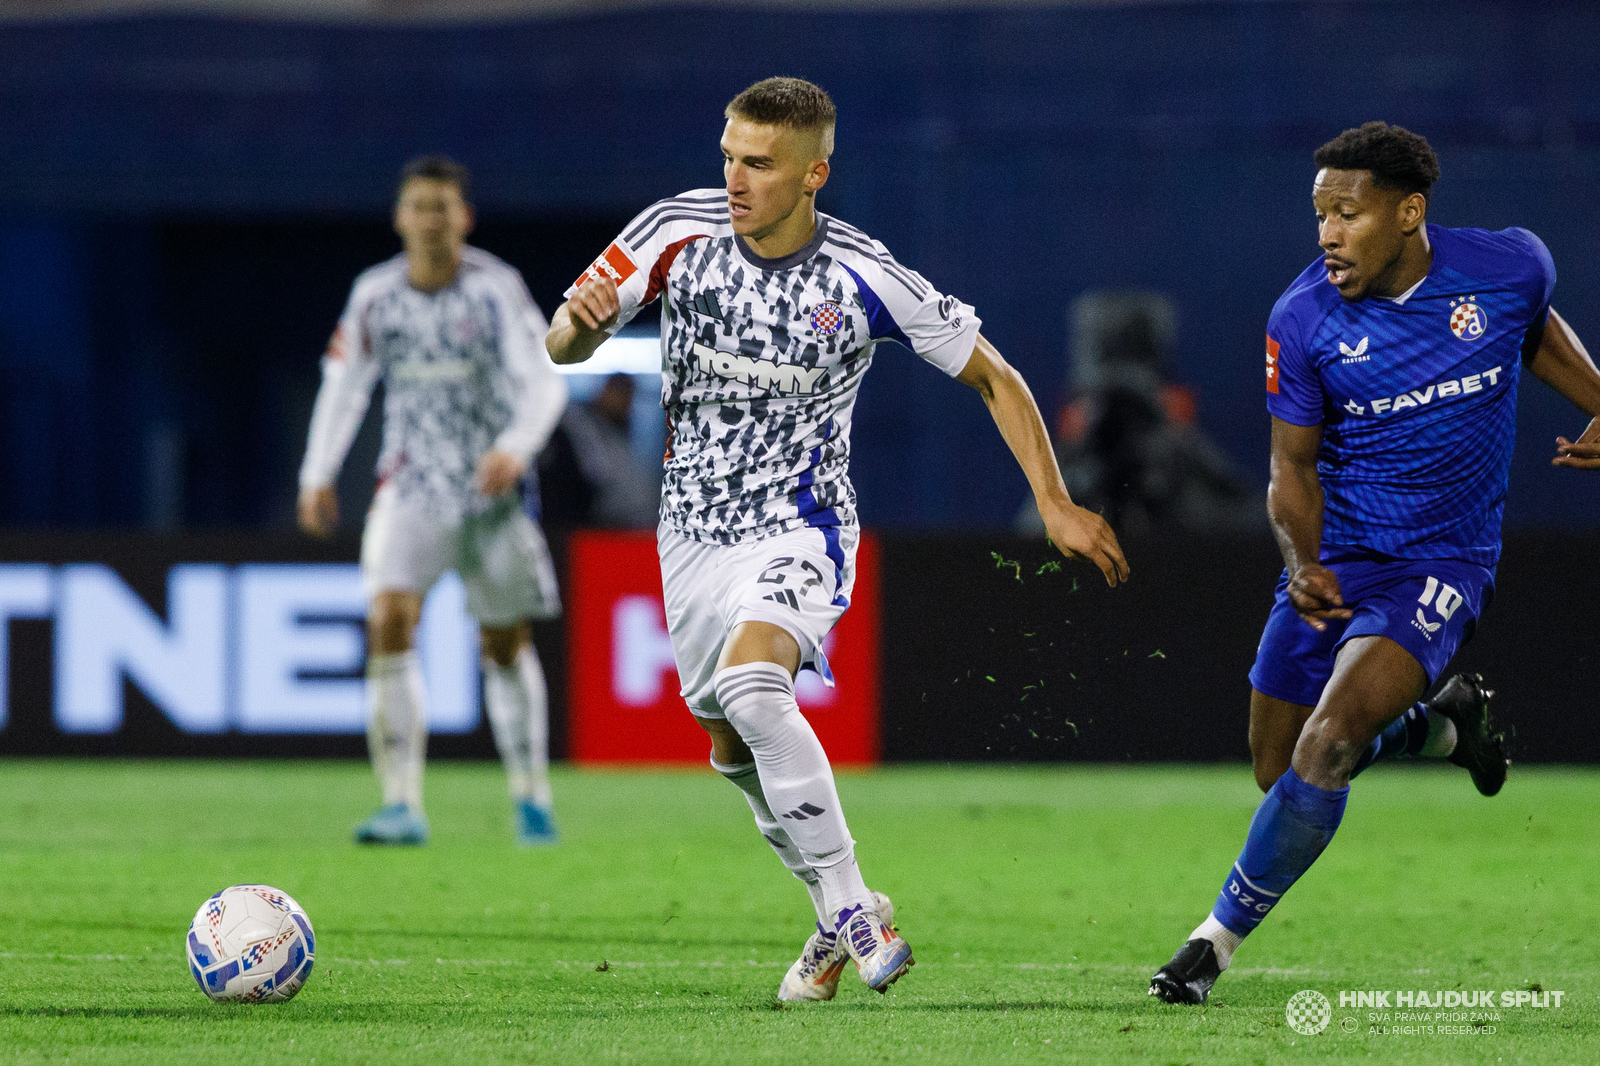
1467 320
826 319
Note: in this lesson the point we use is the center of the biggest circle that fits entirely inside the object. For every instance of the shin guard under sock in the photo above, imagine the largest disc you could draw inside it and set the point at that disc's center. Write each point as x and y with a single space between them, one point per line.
749 782
796 780
1291 827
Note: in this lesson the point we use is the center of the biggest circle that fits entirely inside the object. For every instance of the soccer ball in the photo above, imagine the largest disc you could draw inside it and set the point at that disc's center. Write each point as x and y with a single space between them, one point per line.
251 944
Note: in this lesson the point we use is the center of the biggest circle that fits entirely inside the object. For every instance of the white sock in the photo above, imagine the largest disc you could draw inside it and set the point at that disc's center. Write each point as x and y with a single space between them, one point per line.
397 726
796 780
749 783
518 703
1223 940
1441 737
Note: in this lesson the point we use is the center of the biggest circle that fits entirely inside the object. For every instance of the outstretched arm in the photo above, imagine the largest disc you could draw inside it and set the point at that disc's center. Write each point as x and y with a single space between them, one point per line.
1561 362
1294 506
1075 531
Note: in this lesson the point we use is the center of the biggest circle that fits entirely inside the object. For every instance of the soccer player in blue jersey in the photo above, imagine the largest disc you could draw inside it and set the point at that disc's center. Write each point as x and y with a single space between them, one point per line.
1392 370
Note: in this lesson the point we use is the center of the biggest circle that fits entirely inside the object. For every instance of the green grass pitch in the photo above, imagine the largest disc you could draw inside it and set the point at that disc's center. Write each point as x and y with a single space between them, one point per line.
1038 900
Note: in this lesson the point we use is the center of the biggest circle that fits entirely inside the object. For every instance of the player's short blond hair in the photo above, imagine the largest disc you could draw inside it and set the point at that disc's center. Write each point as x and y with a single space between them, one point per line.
792 102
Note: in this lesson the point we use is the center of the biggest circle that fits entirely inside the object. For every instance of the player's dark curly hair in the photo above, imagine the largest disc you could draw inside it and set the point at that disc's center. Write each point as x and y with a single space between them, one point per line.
792 102
1397 158
435 168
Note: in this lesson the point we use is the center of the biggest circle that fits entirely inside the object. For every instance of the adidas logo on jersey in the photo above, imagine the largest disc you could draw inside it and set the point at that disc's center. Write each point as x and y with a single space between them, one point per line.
1358 354
1444 390
764 373
784 596
706 304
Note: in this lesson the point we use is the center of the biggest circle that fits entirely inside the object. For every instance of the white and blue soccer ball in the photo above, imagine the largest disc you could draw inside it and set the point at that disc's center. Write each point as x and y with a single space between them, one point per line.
251 944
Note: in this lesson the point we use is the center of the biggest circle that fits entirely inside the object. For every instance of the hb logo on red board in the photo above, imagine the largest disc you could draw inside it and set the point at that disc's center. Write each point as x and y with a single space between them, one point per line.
611 263
1272 365
623 697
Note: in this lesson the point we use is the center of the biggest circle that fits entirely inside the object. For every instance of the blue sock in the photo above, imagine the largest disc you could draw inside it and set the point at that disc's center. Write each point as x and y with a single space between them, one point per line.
1404 736
1291 827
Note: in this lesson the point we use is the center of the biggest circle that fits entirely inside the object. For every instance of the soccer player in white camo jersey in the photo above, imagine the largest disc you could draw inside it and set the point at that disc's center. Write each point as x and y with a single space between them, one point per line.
469 398
771 313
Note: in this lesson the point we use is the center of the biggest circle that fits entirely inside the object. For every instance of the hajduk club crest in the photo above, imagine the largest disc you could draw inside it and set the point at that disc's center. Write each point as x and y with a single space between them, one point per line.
1467 320
826 319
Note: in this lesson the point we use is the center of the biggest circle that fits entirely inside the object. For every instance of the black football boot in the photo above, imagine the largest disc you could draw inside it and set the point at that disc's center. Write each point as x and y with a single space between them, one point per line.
1189 976
1479 747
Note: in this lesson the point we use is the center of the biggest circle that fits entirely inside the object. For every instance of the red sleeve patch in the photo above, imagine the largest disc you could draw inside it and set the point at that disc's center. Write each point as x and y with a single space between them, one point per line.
613 263
658 273
1272 365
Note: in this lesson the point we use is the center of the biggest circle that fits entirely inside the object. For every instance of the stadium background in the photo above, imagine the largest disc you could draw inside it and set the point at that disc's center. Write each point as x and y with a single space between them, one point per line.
186 191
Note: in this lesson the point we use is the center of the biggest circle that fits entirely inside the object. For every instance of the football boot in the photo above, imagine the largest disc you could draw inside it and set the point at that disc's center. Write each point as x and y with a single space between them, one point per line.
1189 976
534 824
880 953
815 974
394 824
1479 748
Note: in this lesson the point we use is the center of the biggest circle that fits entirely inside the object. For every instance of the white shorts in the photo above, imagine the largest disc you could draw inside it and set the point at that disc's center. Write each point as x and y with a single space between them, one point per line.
799 581
500 554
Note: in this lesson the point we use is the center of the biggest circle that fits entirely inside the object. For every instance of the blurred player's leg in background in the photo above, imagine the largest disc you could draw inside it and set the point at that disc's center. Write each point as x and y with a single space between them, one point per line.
405 549
397 720
505 564
517 700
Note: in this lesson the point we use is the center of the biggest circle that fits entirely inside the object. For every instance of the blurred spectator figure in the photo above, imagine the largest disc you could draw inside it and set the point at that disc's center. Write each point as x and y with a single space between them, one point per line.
1127 441
588 473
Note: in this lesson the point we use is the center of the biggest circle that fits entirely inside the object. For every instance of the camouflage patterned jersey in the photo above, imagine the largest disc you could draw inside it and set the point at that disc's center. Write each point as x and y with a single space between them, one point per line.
464 370
762 359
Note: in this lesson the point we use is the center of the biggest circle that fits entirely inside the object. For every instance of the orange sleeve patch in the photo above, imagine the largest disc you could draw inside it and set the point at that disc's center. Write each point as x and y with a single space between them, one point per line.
612 263
1272 365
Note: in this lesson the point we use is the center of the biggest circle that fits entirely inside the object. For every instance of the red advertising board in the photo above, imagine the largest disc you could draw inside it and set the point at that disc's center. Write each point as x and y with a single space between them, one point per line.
623 704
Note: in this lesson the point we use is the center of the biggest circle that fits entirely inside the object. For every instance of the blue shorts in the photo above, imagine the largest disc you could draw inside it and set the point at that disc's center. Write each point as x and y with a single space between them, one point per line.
1429 608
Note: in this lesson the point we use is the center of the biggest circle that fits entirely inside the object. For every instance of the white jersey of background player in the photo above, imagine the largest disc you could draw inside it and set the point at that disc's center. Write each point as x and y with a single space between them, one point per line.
469 397
771 311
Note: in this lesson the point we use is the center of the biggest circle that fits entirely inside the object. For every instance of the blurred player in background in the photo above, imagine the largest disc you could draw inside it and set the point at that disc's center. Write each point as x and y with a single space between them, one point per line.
772 311
469 398
1392 370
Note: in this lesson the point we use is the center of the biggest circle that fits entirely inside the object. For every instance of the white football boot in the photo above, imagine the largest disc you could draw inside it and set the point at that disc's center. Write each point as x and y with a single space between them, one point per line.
815 974
879 952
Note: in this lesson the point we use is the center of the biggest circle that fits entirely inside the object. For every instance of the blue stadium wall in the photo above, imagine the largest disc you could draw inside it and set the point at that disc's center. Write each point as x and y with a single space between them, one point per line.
1016 158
